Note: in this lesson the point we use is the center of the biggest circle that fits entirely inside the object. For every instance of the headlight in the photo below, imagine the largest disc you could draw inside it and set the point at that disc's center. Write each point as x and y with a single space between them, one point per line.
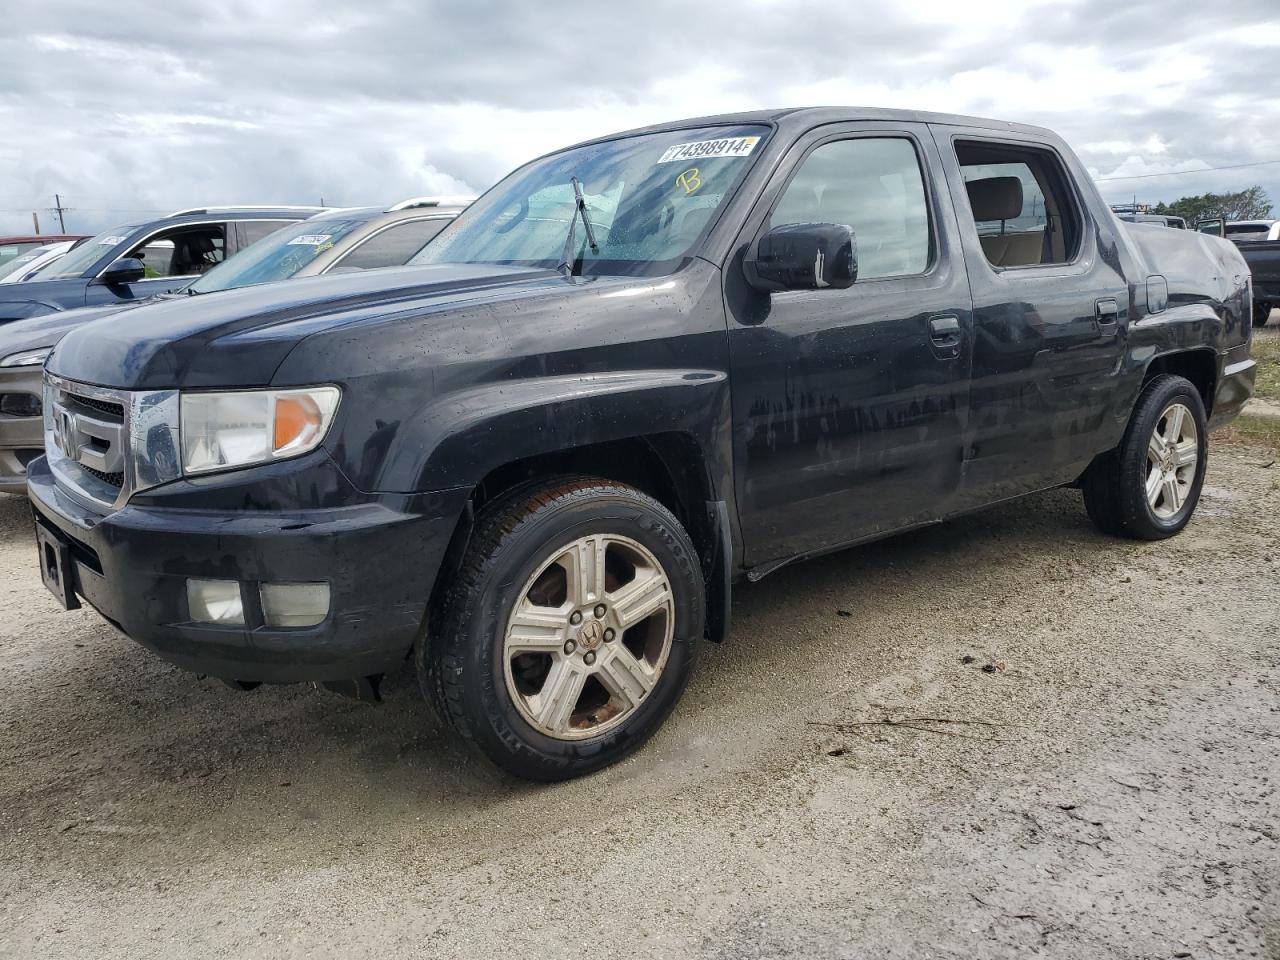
27 358
223 430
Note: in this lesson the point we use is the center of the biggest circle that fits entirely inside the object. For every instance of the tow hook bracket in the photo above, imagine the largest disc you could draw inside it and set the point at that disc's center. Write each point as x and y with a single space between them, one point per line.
365 689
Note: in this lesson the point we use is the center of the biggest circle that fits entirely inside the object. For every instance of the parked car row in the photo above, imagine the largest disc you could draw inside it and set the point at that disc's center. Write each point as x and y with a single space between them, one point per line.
534 461
1163 220
273 244
1259 243
18 255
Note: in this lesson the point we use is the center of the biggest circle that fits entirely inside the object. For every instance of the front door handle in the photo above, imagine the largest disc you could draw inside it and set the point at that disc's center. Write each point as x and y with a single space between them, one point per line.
1106 313
944 335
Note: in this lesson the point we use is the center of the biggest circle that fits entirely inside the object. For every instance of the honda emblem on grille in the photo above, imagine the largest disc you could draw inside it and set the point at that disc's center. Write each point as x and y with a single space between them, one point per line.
67 431
88 441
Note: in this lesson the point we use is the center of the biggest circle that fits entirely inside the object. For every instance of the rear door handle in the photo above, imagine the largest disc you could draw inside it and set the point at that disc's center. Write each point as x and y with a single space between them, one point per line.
944 335
1106 312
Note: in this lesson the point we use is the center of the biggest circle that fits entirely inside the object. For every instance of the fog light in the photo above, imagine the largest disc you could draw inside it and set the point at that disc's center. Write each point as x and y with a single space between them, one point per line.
215 601
20 405
294 604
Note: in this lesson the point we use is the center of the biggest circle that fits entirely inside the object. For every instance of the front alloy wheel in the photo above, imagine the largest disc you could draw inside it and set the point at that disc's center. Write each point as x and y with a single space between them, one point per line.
589 637
569 630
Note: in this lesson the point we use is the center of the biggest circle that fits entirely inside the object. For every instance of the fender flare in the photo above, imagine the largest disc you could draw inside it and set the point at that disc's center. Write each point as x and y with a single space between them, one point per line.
463 436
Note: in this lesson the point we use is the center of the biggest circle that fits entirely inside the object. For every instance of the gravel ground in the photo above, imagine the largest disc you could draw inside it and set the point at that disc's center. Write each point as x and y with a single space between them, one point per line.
1111 793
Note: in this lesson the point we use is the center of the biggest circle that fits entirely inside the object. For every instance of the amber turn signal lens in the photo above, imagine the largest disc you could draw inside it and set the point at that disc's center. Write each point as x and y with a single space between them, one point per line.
297 420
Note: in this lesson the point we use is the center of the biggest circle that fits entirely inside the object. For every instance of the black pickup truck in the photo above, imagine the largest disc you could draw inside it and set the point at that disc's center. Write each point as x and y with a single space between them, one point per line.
1261 251
633 372
1263 258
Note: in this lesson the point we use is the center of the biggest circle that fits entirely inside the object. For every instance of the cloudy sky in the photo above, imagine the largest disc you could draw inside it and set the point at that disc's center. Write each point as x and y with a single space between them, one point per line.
128 109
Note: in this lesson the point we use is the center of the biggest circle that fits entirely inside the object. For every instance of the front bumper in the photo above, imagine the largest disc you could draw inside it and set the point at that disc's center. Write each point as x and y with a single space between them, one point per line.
21 438
379 554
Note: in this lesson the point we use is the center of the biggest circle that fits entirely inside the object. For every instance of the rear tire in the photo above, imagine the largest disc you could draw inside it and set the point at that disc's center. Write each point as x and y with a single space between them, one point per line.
1261 313
570 629
1148 487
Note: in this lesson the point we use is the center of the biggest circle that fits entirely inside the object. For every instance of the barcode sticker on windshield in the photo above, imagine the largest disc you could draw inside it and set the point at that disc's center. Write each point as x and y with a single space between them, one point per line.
702 149
312 239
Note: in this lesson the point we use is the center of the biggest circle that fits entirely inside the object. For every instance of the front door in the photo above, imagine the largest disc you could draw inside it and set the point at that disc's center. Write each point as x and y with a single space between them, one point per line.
172 259
849 406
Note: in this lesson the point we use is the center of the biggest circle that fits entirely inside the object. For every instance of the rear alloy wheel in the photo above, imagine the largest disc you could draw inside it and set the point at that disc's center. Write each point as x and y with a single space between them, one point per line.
1148 487
570 629
1173 458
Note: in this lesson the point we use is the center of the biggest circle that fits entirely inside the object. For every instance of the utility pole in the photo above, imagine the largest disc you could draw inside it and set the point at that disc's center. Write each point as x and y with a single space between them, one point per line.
59 209
35 221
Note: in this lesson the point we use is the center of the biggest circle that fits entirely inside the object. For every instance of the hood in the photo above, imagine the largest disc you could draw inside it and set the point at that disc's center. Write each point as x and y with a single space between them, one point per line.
49 328
240 337
34 298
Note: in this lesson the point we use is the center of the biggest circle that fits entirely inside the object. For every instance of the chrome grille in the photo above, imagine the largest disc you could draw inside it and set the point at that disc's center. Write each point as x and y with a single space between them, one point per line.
103 445
114 479
102 406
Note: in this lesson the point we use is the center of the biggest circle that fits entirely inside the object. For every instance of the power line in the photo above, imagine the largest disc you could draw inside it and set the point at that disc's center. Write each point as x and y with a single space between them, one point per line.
1183 173
93 209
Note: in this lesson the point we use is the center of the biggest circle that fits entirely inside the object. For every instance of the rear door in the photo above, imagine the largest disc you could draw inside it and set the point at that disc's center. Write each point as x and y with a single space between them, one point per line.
849 405
1051 312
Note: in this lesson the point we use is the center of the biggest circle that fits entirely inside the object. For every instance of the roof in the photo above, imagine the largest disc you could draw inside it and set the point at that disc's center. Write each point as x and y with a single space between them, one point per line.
398 211
813 116
249 208
202 214
43 238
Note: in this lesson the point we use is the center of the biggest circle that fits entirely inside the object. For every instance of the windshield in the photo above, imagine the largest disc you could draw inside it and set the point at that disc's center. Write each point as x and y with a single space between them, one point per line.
84 256
10 253
648 198
1247 231
278 256
17 266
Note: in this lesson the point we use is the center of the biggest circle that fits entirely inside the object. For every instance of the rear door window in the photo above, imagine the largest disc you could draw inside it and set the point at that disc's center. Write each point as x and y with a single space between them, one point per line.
393 246
251 231
1022 207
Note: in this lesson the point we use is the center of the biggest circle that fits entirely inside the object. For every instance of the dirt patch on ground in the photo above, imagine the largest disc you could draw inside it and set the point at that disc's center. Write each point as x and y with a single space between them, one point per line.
1115 795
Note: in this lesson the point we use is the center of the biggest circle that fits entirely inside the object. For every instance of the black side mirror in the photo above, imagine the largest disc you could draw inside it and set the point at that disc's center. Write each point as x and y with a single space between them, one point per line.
803 256
124 271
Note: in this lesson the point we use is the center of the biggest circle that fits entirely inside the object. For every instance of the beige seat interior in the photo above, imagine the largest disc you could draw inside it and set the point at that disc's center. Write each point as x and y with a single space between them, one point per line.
1000 198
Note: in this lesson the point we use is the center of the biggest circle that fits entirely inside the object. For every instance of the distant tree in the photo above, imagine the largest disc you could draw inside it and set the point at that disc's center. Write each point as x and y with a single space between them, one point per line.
1250 204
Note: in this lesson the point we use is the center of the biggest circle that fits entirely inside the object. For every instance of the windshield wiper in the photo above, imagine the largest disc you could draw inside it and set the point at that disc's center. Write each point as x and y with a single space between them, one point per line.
568 262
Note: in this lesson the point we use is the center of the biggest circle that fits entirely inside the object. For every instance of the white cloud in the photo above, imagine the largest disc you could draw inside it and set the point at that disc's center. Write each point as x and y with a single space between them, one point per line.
158 106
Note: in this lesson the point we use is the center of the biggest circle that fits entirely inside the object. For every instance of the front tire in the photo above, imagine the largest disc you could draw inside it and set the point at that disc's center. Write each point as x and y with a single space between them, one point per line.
1148 487
570 629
